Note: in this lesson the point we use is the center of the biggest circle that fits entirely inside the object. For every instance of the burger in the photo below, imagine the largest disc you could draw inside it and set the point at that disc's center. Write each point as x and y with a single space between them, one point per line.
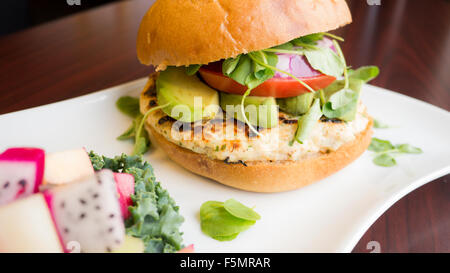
254 94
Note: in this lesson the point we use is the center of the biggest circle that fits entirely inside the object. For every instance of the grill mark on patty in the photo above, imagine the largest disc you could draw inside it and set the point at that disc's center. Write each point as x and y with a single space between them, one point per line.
290 121
150 92
332 120
227 161
165 119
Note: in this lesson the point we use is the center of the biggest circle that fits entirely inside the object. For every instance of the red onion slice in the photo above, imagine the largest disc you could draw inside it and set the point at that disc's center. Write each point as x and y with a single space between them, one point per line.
298 65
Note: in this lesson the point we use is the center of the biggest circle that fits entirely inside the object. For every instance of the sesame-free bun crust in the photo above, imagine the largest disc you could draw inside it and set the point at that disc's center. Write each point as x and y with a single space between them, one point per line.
182 32
265 176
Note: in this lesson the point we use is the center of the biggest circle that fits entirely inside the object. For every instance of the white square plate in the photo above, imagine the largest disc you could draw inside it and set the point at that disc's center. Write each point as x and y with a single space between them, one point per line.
328 216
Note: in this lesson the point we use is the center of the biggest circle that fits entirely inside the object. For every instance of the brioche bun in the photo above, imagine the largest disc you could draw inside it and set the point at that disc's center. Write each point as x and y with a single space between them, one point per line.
265 176
180 32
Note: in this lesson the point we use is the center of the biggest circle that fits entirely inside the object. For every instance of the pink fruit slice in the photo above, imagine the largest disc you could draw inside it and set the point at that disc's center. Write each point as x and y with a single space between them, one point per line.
21 172
188 249
125 188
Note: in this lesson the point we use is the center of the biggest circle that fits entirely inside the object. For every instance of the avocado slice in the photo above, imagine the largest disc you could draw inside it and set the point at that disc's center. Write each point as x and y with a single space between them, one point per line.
298 105
265 116
187 98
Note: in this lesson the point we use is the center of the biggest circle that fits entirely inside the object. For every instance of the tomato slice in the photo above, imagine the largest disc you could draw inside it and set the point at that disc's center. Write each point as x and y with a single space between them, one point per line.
274 87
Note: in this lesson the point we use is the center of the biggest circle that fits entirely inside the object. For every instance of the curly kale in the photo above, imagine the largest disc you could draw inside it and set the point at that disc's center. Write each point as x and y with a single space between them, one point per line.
154 215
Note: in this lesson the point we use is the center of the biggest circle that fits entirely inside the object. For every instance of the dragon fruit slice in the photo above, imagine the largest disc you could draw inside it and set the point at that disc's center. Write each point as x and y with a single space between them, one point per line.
88 213
26 226
125 188
21 171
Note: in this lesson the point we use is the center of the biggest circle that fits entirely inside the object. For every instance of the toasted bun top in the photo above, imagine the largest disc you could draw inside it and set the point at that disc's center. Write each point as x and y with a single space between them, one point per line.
183 32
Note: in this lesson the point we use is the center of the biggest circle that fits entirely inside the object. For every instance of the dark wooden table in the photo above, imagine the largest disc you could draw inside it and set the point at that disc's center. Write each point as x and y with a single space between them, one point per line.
408 39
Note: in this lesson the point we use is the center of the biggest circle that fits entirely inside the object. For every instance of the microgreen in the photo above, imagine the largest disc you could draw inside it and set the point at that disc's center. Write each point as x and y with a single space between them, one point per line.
307 122
130 106
325 61
241 211
223 221
341 56
385 160
246 71
308 39
141 141
341 102
365 73
192 69
379 124
385 151
335 37
285 51
285 46
244 116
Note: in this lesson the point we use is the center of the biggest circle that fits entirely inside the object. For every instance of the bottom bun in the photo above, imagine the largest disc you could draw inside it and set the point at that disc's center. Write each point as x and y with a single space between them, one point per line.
265 176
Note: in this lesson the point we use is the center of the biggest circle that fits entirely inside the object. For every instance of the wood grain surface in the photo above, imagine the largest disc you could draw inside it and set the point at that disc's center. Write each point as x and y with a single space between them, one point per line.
408 39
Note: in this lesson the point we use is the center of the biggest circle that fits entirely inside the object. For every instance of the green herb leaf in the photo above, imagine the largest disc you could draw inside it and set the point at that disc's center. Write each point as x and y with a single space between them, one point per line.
380 145
141 146
128 105
285 46
129 133
307 122
192 69
326 61
248 72
385 151
229 65
216 221
241 211
384 160
261 73
347 102
342 98
408 149
308 39
241 71
364 73
379 125
226 238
